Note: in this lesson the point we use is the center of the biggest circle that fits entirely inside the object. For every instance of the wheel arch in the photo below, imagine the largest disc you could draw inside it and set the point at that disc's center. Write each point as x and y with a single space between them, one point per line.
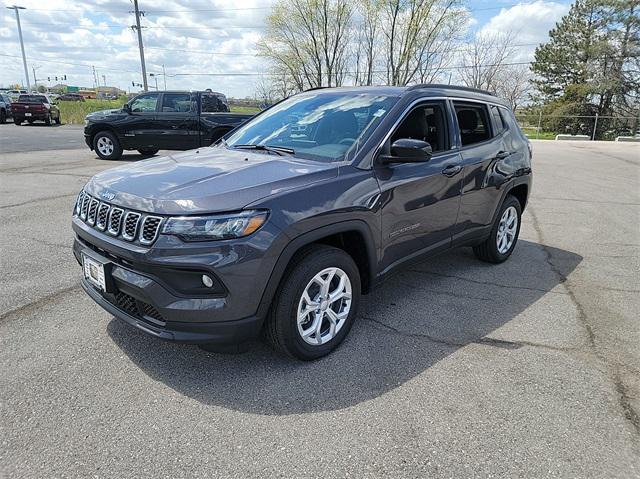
354 237
521 192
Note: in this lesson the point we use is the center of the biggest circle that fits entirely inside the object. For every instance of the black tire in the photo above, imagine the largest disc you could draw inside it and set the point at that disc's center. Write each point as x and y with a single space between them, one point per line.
488 250
148 151
3 117
107 135
47 120
17 122
281 329
58 120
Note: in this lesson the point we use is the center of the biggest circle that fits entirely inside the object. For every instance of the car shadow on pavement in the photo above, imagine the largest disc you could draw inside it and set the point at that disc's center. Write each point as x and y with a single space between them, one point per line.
418 317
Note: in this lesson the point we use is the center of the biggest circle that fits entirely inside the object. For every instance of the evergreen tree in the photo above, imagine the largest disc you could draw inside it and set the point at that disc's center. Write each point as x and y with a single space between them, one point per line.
590 64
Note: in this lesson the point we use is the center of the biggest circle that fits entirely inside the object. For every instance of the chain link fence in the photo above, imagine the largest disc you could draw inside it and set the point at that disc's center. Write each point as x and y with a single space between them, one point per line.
540 126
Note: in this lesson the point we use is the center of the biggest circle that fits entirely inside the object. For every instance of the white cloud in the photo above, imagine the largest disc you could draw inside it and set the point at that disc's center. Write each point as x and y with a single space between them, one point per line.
528 23
58 34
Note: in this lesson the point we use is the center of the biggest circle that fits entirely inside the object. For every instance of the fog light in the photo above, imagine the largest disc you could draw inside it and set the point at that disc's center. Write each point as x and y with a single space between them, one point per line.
207 281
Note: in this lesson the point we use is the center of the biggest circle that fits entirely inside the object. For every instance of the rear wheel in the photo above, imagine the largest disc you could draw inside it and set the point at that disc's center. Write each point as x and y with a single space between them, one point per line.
504 234
17 122
58 120
148 151
316 303
3 116
107 146
47 120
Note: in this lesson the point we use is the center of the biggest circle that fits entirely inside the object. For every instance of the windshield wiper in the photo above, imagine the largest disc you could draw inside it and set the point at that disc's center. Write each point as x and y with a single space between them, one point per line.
280 150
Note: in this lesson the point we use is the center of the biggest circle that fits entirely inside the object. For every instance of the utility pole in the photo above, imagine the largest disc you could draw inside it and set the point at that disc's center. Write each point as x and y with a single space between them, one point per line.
104 80
24 57
164 76
35 79
139 29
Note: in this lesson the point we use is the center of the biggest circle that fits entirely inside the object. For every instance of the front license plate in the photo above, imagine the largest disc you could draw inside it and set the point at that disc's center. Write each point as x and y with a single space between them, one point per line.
27 114
94 272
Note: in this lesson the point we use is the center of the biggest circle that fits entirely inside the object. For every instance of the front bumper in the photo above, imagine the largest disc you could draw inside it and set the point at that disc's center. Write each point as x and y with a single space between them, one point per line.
225 332
153 288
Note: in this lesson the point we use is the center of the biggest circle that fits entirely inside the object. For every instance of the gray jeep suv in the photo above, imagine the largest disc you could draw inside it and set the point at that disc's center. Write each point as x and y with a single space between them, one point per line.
282 225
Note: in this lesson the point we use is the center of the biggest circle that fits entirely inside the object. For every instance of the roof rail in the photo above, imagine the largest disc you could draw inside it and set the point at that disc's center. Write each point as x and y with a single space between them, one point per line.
315 88
451 87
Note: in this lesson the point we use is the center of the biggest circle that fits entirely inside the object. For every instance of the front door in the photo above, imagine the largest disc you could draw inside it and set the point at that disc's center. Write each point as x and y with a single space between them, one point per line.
420 201
177 122
139 130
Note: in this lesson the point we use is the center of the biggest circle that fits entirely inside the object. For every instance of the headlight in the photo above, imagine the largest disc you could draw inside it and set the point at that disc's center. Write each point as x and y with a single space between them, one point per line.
217 227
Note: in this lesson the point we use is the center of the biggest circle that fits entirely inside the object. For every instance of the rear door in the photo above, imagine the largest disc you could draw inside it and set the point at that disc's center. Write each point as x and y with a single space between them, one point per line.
177 121
140 129
420 201
481 148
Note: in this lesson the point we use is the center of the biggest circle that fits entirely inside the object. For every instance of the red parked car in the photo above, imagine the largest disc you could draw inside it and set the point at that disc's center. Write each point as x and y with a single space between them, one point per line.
32 108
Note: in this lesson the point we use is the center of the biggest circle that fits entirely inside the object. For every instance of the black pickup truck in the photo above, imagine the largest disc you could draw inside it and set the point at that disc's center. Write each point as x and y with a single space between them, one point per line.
163 120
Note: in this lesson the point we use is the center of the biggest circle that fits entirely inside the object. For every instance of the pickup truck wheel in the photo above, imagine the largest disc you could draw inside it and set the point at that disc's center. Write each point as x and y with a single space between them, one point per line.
17 122
107 146
3 117
504 234
316 303
58 120
148 151
47 120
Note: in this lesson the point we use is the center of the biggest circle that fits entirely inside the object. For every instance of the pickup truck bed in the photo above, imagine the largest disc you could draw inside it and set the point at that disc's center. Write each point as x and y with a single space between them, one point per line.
32 108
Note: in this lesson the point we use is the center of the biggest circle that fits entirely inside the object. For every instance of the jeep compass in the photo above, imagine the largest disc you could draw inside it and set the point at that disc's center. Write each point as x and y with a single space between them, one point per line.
282 225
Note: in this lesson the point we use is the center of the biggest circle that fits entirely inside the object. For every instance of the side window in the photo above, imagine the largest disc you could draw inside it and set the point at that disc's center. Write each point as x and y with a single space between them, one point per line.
145 103
211 103
426 123
473 123
176 103
497 120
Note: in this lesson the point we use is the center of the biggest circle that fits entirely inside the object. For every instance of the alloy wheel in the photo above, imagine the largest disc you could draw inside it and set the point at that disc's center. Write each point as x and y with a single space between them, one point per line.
105 145
507 230
324 306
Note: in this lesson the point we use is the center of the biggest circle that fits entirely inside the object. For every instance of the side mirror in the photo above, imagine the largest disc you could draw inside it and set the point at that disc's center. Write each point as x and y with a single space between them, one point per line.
407 150
126 107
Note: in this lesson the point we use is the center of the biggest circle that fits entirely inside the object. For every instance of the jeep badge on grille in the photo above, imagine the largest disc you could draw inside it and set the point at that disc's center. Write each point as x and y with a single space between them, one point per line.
107 195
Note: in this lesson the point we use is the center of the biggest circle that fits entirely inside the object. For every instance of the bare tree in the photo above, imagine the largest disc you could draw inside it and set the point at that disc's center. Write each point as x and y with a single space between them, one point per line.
485 59
308 39
413 32
514 84
367 35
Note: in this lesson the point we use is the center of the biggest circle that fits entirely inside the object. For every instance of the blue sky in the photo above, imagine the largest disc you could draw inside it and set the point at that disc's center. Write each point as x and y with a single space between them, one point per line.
199 36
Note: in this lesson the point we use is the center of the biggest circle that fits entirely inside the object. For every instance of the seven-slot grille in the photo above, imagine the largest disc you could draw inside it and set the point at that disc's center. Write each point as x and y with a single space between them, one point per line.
129 225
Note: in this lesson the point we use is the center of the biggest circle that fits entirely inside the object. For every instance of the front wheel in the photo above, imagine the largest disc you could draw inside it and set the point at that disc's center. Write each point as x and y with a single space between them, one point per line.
107 146
504 234
316 303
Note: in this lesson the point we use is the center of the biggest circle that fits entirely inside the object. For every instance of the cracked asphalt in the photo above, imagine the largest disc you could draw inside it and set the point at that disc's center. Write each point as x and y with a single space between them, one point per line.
454 368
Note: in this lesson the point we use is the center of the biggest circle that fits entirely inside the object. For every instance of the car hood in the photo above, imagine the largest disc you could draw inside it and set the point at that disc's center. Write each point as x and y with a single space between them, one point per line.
99 115
208 180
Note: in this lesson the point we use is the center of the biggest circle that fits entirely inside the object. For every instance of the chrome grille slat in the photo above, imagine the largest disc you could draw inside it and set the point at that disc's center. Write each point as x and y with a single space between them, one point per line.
118 222
150 228
130 228
103 216
115 220
93 211
85 206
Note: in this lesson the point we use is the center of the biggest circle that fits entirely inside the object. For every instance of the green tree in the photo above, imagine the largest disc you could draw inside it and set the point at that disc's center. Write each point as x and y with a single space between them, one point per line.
589 65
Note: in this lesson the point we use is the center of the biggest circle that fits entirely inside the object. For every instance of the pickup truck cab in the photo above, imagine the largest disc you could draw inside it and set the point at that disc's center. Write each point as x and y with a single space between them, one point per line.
164 120
35 107
283 224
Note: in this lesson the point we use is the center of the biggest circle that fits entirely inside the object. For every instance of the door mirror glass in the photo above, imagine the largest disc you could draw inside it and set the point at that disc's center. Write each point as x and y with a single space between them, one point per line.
126 107
408 150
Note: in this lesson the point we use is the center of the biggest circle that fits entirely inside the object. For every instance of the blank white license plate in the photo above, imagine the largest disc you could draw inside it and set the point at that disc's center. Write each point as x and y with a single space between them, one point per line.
27 114
94 272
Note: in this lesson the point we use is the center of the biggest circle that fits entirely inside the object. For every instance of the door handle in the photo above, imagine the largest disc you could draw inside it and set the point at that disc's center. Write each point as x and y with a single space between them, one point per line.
502 155
452 170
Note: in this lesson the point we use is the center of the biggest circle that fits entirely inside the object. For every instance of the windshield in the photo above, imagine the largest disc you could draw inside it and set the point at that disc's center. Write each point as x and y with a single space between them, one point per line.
32 99
321 126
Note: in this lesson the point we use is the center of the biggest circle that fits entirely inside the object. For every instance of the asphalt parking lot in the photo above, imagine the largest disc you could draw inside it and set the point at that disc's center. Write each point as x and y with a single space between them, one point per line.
453 369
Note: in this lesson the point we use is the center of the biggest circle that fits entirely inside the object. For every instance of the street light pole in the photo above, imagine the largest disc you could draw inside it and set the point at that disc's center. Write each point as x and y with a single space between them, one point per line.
24 57
164 76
